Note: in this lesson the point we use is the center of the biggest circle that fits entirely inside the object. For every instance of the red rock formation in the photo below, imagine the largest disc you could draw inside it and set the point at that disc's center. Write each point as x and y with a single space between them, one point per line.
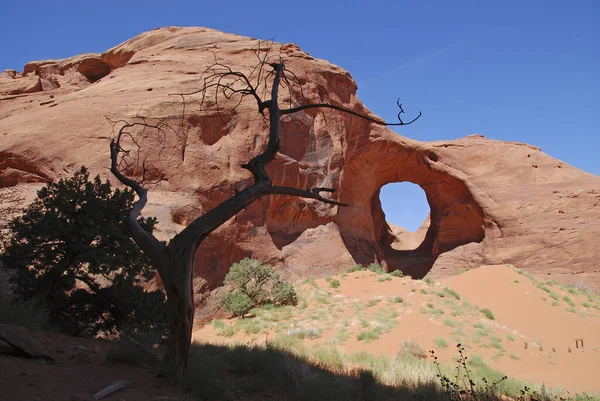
491 202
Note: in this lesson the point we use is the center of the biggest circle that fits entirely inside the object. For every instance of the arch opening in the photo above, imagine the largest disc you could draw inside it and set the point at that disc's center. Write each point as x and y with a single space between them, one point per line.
456 218
406 212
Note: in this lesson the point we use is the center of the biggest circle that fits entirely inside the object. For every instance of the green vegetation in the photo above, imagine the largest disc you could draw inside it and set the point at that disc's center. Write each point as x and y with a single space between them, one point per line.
398 299
494 342
397 273
369 335
373 302
568 300
255 284
449 322
237 303
452 293
440 342
488 313
334 283
224 329
70 252
373 267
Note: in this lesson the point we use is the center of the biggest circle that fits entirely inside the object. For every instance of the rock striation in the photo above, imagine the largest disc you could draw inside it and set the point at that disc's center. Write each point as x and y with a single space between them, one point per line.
491 202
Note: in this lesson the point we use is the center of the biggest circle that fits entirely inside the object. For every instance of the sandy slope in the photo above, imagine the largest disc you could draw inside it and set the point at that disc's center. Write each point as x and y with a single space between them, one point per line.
526 310
525 315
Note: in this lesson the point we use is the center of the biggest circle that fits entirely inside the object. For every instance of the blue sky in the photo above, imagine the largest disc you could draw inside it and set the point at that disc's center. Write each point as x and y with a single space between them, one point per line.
523 71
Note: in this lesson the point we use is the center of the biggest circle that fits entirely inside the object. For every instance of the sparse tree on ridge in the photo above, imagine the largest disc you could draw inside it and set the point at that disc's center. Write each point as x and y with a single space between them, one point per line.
175 261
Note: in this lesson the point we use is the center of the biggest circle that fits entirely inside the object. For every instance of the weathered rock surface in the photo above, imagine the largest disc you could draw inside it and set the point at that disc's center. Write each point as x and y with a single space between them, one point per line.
19 342
491 202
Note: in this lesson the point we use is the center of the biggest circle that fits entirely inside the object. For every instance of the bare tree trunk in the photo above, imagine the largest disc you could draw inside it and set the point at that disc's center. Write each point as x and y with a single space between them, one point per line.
180 310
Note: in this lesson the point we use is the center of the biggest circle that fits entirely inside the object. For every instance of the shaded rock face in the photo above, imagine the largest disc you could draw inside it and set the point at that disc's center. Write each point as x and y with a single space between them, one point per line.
491 202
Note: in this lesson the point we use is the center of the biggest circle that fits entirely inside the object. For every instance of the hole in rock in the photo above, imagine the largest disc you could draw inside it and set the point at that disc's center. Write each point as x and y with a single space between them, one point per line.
406 212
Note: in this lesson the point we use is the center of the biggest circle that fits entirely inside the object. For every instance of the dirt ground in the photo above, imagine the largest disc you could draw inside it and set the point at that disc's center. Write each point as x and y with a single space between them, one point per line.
80 369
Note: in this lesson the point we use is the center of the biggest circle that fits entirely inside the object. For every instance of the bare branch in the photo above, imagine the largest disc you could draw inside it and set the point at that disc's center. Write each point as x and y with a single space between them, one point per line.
312 194
148 243
354 113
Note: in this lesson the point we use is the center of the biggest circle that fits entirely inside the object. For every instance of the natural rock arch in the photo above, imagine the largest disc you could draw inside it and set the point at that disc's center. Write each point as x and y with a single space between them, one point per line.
455 219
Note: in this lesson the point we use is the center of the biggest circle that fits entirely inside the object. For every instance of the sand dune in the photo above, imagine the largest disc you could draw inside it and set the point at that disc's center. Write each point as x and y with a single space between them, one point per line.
534 324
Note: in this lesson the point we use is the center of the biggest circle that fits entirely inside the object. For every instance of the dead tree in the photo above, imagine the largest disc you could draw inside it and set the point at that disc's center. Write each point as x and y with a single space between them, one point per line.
175 261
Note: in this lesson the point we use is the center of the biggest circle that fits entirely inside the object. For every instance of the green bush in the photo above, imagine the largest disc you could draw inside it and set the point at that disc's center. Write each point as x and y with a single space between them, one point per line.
70 251
252 278
488 313
237 302
255 284
356 268
398 299
397 273
284 294
374 267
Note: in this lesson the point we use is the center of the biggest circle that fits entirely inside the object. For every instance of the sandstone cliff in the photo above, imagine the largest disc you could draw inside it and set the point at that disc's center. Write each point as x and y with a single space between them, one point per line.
491 202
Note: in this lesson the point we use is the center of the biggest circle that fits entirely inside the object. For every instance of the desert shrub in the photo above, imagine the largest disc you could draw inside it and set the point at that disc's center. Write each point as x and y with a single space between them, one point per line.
369 335
252 278
283 293
398 299
397 273
452 293
356 268
412 348
237 302
487 313
374 267
70 251
255 284
567 300
334 283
